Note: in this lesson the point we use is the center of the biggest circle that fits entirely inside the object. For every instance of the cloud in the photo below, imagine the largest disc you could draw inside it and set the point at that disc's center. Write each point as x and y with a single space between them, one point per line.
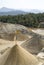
23 4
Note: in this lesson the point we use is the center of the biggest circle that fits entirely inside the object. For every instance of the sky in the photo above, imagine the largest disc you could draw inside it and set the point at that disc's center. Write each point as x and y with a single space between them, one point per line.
22 4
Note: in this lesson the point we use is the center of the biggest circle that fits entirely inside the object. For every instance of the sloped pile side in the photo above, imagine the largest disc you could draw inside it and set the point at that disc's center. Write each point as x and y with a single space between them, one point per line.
7 31
11 28
33 45
40 32
19 56
7 36
42 40
4 56
21 37
12 37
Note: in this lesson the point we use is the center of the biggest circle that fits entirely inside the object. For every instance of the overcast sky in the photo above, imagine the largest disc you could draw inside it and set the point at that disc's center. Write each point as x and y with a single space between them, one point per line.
23 4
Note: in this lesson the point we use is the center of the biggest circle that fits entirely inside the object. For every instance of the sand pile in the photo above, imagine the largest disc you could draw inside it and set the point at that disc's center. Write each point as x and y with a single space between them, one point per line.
19 56
33 45
7 36
39 31
14 54
4 56
11 28
21 37
7 31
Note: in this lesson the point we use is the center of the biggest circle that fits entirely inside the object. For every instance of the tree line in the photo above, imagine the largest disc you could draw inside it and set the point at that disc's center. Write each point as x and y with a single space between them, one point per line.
29 20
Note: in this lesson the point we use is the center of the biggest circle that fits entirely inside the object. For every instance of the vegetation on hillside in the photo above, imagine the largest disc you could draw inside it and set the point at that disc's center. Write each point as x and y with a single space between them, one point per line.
29 20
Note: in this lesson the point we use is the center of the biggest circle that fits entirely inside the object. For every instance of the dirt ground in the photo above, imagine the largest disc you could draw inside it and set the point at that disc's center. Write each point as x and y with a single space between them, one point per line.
23 48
